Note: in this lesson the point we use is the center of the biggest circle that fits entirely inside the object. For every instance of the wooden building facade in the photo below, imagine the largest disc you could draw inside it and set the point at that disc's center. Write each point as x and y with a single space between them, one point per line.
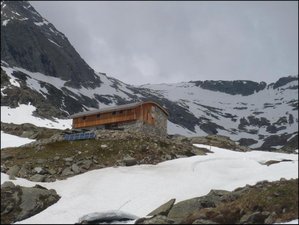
142 116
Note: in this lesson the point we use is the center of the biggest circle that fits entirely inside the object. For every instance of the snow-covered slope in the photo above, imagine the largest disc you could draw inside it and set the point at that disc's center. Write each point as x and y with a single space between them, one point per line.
140 189
246 118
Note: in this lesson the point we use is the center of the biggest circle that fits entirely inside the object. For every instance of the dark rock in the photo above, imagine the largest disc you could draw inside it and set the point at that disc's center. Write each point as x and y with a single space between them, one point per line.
275 140
24 171
52 171
271 218
40 170
158 219
6 156
84 165
247 141
272 129
37 178
234 87
181 210
67 171
203 221
254 218
75 168
129 161
41 161
291 145
8 184
163 209
68 159
106 217
210 127
283 81
19 203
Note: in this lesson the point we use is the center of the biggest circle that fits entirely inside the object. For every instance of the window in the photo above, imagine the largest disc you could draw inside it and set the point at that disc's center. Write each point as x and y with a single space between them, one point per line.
120 112
114 113
84 118
98 116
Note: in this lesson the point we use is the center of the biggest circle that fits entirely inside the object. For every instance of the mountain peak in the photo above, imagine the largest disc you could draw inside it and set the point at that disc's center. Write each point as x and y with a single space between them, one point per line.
31 42
13 11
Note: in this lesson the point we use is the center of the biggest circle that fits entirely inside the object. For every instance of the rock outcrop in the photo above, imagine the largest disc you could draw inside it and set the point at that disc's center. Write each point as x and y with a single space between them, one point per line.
19 203
263 203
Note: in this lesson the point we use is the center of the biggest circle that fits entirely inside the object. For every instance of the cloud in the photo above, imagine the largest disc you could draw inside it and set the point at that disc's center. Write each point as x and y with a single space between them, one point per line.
156 42
146 67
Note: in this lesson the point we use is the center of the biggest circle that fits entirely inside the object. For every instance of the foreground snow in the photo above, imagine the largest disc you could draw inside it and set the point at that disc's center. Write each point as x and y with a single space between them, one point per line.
291 222
8 140
140 189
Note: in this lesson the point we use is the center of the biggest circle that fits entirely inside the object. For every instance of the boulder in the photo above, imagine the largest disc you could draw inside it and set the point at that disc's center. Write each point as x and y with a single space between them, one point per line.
41 161
84 164
158 219
13 171
39 170
75 168
181 210
203 221
163 209
68 159
8 184
24 171
52 171
19 203
254 218
129 161
106 217
37 178
67 171
271 218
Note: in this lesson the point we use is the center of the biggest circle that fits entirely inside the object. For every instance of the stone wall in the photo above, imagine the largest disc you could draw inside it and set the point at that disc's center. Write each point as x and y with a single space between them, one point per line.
160 126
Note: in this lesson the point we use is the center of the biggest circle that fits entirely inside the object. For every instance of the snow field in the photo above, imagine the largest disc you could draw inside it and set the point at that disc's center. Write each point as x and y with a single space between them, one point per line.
140 189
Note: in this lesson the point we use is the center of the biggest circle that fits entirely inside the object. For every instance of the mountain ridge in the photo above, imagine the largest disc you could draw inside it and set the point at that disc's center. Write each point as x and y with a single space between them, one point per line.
35 70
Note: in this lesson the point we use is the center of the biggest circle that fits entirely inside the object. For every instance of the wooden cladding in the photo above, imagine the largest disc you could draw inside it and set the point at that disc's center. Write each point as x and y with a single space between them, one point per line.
144 112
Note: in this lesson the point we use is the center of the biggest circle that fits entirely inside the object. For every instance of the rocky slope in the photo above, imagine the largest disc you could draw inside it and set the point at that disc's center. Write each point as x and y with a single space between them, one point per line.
53 158
263 203
40 67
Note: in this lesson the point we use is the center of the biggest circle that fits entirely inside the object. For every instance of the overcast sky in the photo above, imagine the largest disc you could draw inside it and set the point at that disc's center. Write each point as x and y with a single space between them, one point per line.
158 42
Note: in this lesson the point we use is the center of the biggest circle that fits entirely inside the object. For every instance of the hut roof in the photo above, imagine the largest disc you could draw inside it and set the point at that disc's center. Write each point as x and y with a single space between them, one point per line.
115 108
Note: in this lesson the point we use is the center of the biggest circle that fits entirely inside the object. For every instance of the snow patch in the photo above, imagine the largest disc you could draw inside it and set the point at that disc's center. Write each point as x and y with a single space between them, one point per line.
23 114
44 22
15 13
54 43
9 71
8 140
4 23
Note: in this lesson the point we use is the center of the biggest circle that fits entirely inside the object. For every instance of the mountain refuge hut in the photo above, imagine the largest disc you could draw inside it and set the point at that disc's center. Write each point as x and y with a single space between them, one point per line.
147 117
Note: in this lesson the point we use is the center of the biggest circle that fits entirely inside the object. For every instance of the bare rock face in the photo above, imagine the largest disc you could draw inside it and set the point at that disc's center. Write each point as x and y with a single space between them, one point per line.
19 203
